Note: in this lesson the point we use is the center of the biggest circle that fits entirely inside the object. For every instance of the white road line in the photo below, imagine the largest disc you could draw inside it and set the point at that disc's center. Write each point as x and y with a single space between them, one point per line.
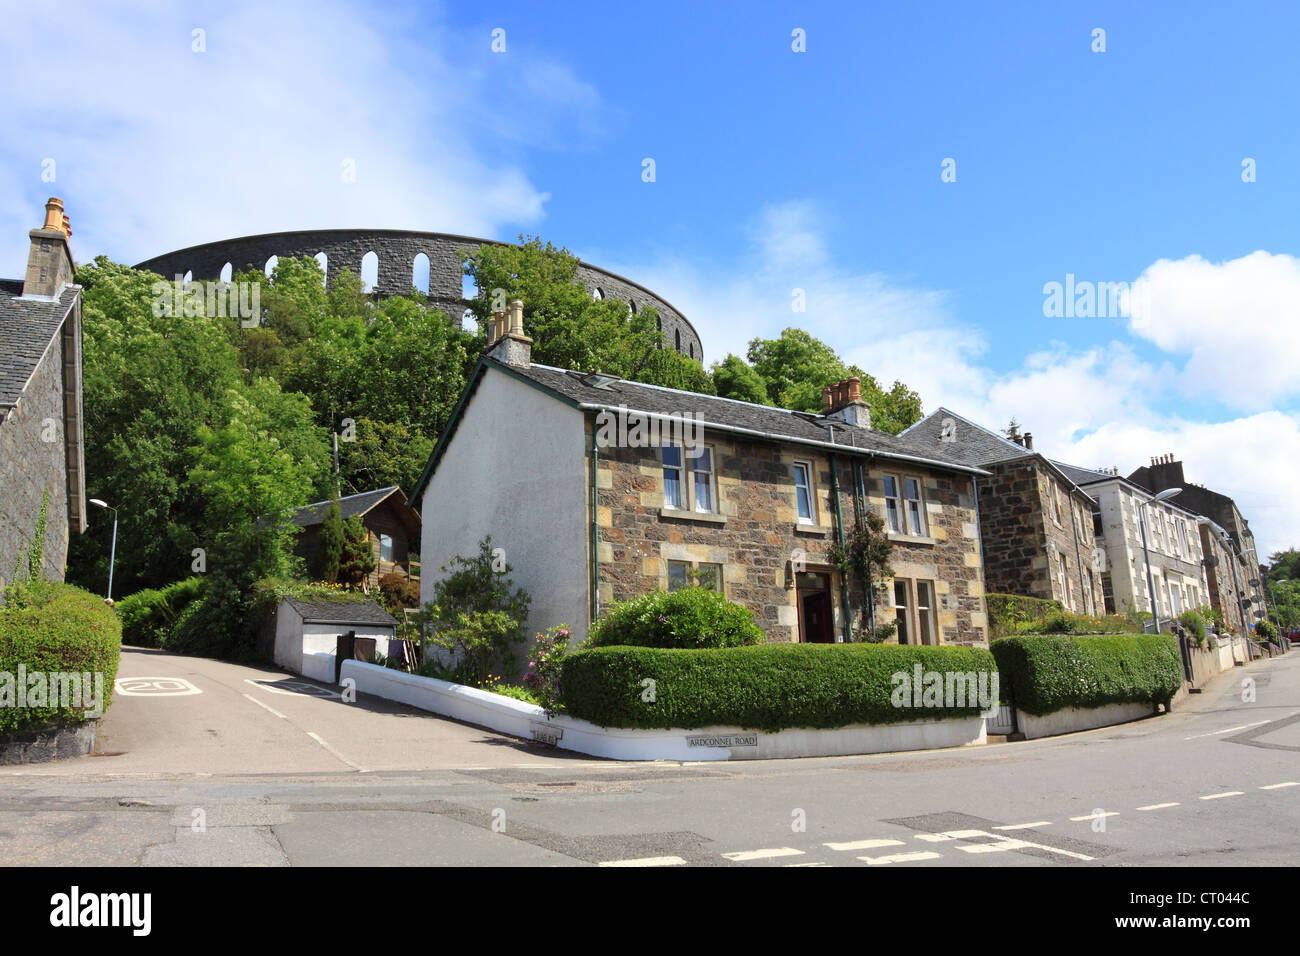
789 865
320 740
265 707
950 835
1217 796
647 861
1094 816
1227 730
1159 806
863 844
1279 786
1000 847
899 858
767 854
1025 826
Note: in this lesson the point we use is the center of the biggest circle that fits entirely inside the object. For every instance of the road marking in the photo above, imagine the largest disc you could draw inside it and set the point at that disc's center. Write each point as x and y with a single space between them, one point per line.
1228 730
1217 796
295 688
1000 847
647 861
264 706
320 740
819 863
745 855
1279 786
154 687
899 858
864 844
950 835
1159 806
1094 816
1025 826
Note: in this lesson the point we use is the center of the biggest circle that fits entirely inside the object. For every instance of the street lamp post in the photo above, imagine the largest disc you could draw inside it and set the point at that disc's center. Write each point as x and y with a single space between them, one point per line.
1146 555
112 559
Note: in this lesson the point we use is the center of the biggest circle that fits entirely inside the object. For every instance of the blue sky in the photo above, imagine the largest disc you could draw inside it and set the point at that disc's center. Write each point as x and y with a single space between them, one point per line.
775 171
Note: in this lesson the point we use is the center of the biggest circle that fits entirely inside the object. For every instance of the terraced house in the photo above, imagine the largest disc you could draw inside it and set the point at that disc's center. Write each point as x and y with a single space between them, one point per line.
41 434
1036 522
598 489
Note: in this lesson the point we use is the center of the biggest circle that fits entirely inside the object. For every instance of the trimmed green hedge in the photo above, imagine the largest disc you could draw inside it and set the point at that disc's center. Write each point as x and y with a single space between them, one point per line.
766 687
149 615
1047 673
1008 610
49 628
690 618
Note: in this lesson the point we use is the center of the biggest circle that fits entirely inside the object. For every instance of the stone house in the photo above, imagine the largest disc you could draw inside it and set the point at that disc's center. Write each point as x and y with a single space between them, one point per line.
1126 511
1225 576
391 525
1165 472
41 437
1036 523
597 489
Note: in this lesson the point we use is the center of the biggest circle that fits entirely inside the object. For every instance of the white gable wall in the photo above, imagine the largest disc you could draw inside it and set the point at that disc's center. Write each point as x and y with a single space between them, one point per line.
515 470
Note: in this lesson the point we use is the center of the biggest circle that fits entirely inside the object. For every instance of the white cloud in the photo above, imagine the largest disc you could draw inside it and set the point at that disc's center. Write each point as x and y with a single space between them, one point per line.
1101 406
1234 320
158 147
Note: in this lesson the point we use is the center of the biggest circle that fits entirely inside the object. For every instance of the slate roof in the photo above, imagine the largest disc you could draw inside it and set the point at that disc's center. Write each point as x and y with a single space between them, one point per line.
725 414
336 612
1087 476
972 444
314 513
27 326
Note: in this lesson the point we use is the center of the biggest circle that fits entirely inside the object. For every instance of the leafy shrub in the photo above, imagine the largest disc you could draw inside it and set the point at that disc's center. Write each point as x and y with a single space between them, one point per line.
50 627
689 618
542 678
1007 611
148 616
1063 622
767 687
398 592
1048 672
1194 625
476 613
1265 631
518 693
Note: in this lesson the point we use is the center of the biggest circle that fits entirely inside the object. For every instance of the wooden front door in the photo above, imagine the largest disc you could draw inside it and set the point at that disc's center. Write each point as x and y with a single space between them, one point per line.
816 621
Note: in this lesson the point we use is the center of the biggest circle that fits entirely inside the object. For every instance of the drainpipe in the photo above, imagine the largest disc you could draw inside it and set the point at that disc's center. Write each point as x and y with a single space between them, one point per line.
595 547
839 534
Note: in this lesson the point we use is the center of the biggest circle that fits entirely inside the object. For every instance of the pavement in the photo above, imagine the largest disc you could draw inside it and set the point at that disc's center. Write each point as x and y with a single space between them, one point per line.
207 763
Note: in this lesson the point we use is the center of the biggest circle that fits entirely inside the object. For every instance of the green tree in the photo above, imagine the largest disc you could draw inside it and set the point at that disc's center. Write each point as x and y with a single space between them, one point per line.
795 367
735 378
357 562
332 541
384 454
571 329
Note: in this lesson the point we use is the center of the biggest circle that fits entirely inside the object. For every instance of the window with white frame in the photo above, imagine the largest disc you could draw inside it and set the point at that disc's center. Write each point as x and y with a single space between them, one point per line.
689 480
685 574
915 610
893 505
1064 579
803 492
1056 501
925 612
915 506
385 547
1089 604
902 610
905 505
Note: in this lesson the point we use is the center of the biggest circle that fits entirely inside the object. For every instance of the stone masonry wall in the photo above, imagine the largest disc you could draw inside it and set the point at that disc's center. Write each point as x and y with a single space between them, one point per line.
1019 531
29 465
756 534
396 251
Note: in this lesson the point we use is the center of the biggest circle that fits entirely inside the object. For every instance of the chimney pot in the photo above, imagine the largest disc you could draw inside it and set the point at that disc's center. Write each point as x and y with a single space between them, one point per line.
54 214
828 401
1029 441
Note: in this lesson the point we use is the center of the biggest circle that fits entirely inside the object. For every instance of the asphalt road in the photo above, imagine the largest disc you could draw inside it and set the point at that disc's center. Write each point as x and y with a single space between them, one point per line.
205 763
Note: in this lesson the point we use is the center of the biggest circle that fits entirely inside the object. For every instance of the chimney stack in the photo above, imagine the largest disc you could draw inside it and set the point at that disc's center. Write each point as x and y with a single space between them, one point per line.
50 268
1029 441
507 342
843 400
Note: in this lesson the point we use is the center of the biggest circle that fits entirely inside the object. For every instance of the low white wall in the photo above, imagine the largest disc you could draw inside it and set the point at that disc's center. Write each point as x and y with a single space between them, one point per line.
1225 654
318 666
1072 719
520 719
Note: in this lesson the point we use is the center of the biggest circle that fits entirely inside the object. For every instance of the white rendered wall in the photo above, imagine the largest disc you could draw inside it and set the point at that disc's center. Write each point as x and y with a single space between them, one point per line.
515 470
